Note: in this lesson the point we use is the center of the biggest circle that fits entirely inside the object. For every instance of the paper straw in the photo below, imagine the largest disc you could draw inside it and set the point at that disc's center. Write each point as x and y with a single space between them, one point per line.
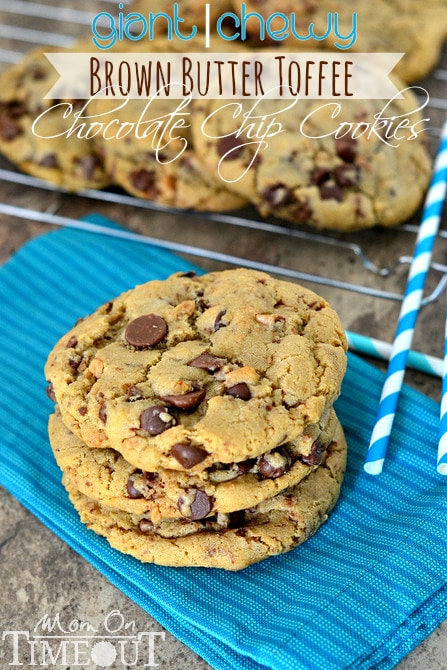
442 444
414 290
370 346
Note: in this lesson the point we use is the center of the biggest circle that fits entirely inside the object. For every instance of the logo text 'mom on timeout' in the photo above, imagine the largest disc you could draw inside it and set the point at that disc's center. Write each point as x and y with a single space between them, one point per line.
80 644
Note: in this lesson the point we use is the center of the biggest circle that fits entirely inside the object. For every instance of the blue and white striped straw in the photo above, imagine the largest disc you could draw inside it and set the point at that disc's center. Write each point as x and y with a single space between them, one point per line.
370 346
428 231
442 444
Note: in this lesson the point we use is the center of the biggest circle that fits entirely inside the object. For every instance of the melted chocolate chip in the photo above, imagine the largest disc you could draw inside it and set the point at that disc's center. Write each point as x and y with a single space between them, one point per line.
320 176
302 212
72 342
49 161
14 109
346 148
156 420
132 492
347 174
275 464
88 166
188 455
74 363
246 466
230 146
102 414
200 506
82 411
190 275
9 129
241 391
201 304
331 191
37 73
208 362
315 456
277 195
50 392
146 526
146 331
218 323
186 401
144 181
133 393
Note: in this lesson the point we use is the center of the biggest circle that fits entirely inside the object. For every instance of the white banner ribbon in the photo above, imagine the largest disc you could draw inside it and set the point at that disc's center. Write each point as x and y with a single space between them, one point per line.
313 75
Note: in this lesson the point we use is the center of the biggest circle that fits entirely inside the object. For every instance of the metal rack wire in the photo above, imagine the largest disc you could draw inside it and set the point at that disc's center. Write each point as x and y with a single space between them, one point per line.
60 25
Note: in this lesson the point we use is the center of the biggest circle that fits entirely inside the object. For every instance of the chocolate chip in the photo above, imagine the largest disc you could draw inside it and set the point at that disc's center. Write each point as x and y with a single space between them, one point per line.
188 455
201 304
133 393
102 414
320 176
277 195
190 275
50 392
148 478
156 420
49 161
15 109
347 174
275 464
88 166
346 148
146 526
200 506
241 391
72 342
207 361
331 191
74 363
218 323
82 411
316 454
146 331
246 466
9 129
302 212
132 492
230 146
37 73
144 181
185 401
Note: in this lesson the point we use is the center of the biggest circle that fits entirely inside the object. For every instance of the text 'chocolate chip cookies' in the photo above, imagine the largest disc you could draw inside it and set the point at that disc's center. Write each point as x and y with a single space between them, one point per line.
194 421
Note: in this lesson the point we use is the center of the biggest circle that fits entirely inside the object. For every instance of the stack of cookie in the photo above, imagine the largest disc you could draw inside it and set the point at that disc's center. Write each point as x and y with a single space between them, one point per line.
194 422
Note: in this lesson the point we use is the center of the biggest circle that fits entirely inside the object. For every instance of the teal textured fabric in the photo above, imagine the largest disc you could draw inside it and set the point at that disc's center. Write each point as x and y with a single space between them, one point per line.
361 593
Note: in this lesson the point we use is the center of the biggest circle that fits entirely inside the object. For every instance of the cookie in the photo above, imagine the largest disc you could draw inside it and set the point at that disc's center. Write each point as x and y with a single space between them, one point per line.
160 164
231 542
183 183
103 474
154 157
415 29
45 151
314 170
191 371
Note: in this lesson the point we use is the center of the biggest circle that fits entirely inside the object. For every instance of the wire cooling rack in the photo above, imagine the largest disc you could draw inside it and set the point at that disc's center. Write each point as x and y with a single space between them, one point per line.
359 268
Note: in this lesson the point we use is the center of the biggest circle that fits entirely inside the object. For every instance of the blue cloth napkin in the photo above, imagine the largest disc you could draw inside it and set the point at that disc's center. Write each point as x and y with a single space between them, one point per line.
361 593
